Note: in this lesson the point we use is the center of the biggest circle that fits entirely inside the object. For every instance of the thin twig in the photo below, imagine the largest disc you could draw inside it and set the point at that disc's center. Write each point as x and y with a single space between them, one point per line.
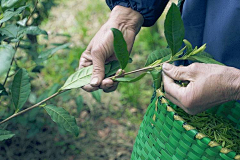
17 45
139 70
5 80
35 6
32 107
15 48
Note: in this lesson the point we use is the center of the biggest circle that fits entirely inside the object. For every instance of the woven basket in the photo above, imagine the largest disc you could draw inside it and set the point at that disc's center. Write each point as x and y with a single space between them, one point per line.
163 135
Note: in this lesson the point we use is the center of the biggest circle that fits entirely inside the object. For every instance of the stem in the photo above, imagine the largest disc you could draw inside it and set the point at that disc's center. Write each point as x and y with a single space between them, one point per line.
35 6
32 107
18 43
140 70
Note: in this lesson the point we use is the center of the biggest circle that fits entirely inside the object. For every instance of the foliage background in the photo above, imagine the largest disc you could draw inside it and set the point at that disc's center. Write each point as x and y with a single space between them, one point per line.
107 128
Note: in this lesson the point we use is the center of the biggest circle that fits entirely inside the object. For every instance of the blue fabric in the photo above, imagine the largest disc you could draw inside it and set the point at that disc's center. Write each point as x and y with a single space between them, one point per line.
216 23
150 9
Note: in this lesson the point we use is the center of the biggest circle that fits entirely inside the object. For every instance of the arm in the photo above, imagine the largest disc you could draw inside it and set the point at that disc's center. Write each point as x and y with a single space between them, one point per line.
149 9
210 85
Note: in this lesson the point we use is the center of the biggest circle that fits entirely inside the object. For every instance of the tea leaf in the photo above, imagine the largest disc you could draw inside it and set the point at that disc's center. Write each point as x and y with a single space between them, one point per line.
8 3
79 103
130 79
198 50
189 46
21 88
8 14
5 135
157 55
120 48
79 78
179 53
97 95
63 118
33 30
83 76
174 29
50 52
115 66
10 30
204 59
157 78
107 68
6 54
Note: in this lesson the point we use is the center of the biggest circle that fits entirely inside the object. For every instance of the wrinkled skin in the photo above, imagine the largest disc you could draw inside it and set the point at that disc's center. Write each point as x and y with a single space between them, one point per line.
100 50
210 85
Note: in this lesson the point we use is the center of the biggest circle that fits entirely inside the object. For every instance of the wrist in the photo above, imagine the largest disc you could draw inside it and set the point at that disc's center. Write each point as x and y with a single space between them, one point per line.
235 83
126 18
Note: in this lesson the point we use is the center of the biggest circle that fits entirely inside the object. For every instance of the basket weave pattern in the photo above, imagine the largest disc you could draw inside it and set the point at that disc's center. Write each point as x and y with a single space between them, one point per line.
163 135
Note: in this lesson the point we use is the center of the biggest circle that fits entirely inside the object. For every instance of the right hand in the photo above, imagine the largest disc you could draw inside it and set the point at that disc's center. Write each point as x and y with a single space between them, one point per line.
100 49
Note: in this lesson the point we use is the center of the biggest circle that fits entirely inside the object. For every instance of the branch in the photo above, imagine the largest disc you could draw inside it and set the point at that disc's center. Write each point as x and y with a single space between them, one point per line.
35 6
32 107
140 70
18 43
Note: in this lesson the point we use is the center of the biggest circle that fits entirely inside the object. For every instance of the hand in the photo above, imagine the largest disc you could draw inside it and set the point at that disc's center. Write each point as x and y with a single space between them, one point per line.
100 50
210 85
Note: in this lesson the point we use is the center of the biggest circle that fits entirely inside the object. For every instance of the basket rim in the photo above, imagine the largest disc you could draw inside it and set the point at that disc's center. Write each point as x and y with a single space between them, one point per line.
200 136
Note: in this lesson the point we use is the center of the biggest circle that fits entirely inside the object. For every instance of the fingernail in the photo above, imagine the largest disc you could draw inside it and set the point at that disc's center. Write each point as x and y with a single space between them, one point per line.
94 81
167 66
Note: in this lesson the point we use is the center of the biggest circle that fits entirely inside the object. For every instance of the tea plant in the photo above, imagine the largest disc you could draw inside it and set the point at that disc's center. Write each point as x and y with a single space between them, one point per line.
174 33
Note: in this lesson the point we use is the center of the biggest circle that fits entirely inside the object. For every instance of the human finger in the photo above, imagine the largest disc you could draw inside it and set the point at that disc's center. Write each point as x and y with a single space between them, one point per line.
176 73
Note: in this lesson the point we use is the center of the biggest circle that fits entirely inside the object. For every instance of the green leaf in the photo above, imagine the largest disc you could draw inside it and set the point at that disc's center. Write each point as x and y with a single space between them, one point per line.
21 88
83 76
157 55
35 30
10 30
203 58
198 50
179 53
115 66
107 68
79 102
5 135
188 45
79 78
13 31
8 14
8 3
97 95
130 79
22 22
63 118
174 29
3 91
6 54
46 54
157 78
120 48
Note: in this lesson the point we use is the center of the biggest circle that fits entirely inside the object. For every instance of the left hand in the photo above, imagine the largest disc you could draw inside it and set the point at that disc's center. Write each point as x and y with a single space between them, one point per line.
210 85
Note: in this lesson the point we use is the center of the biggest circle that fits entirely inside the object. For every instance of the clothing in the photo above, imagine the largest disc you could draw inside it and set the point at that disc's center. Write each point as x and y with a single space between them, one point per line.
206 21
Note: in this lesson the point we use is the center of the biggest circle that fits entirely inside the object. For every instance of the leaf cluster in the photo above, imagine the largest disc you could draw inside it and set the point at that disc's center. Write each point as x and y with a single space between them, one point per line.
14 33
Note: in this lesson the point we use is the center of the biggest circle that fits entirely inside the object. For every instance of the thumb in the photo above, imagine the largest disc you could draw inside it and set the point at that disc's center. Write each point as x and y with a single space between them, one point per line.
98 70
174 72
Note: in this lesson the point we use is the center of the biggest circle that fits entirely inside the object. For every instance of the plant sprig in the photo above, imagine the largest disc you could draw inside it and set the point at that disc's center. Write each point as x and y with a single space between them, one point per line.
153 65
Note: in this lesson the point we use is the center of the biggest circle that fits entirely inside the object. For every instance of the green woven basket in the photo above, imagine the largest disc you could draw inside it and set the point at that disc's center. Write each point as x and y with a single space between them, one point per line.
163 135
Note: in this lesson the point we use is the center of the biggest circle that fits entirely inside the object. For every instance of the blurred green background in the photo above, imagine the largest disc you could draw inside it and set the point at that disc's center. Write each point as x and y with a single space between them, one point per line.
108 126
